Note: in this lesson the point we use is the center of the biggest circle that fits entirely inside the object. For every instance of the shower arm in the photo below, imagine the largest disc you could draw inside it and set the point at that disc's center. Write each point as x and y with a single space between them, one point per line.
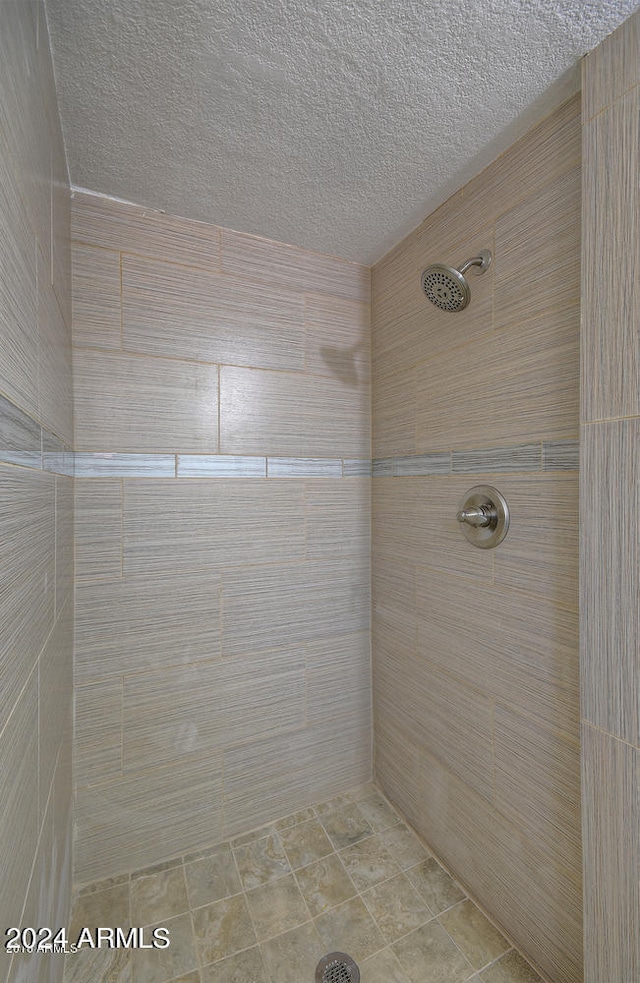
482 261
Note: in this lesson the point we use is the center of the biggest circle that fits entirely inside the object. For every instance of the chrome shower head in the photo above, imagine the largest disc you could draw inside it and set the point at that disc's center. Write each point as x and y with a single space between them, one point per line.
447 287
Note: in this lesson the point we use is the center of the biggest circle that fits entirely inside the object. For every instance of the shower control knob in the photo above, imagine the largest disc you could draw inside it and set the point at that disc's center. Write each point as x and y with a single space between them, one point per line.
483 515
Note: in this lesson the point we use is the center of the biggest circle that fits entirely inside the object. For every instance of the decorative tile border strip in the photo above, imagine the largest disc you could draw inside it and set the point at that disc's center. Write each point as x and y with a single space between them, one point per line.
112 465
25 443
552 455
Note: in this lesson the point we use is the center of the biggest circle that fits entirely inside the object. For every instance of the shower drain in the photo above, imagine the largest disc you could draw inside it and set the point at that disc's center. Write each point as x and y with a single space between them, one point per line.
337 967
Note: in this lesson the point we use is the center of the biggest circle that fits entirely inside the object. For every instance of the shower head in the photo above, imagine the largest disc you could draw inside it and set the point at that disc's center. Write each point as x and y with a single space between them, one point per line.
447 287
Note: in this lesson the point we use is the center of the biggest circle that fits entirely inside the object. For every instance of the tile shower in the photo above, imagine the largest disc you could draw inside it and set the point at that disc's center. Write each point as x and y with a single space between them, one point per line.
224 530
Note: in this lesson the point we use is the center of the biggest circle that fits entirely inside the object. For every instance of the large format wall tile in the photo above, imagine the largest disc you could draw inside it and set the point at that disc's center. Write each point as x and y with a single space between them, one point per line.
97 309
519 385
55 400
19 819
18 303
610 622
36 506
55 699
270 778
293 603
611 778
611 292
210 524
612 68
609 495
98 528
98 731
99 221
27 560
188 313
470 835
146 621
338 677
291 415
260 540
266 261
180 711
337 517
148 815
135 403
527 753
538 249
475 661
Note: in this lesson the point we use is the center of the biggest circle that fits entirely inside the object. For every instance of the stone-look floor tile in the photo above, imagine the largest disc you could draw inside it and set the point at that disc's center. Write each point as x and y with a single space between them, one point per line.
178 959
222 929
377 811
511 968
277 907
368 862
305 843
213 877
480 941
429 956
350 928
98 966
261 861
397 908
325 884
293 956
245 967
383 968
158 897
345 825
404 846
437 888
330 805
104 908
298 817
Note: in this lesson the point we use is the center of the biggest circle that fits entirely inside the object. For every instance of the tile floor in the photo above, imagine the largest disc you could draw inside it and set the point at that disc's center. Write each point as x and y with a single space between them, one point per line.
346 875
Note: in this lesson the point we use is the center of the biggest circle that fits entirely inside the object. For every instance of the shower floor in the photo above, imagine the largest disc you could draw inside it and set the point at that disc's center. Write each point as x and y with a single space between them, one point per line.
346 875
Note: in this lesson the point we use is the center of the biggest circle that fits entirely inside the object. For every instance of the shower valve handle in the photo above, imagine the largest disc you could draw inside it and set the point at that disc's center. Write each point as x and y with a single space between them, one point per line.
481 515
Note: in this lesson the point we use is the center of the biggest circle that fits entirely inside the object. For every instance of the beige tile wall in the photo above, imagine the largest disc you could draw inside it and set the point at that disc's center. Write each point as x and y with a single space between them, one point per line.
222 623
36 505
476 652
609 624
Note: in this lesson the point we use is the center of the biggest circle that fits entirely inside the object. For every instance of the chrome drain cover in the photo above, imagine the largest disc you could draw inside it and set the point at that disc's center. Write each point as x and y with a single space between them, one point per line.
337 967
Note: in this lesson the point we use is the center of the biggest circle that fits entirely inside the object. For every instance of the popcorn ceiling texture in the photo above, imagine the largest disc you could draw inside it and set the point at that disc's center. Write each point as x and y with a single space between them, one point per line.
328 125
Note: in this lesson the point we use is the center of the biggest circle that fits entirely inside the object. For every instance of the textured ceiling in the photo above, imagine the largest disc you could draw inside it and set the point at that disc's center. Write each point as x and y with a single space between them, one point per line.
332 124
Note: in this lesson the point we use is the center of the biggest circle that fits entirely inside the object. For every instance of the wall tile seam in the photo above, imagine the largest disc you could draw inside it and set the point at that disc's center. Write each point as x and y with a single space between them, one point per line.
497 583
571 740
489 334
587 119
607 733
528 836
155 257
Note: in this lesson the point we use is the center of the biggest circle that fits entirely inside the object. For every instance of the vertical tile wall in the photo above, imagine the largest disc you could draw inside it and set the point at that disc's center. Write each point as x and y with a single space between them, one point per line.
476 652
222 387
610 626
36 497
